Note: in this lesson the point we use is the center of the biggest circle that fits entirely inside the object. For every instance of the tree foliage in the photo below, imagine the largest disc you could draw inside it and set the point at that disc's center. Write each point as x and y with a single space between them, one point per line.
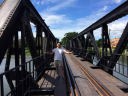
68 36
99 42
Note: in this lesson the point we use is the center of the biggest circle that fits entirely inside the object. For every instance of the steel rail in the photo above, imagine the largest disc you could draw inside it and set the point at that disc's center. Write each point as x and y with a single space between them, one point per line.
102 91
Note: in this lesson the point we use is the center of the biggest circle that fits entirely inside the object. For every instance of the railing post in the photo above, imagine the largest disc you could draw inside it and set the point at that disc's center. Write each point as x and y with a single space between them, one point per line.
23 59
1 86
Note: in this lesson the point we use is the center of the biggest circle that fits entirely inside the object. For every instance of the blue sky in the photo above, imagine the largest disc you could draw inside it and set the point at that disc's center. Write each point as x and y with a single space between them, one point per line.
64 16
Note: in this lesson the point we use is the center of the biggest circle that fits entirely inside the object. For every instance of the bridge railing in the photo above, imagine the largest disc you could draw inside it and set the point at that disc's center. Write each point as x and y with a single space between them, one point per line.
120 70
23 79
72 86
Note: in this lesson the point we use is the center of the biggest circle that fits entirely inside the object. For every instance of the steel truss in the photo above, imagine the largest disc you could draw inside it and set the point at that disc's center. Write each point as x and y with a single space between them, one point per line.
107 59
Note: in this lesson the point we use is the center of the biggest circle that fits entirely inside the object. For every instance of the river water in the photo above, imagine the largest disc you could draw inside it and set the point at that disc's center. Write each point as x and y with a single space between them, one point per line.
2 68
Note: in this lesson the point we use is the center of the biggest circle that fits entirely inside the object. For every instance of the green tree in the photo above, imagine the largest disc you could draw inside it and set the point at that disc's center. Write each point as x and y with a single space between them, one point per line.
99 42
67 37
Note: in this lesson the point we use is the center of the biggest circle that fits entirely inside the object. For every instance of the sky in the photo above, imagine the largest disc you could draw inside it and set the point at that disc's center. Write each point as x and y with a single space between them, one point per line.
64 16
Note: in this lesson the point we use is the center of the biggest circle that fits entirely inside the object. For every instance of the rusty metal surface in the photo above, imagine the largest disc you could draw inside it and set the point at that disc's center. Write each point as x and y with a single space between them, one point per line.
6 11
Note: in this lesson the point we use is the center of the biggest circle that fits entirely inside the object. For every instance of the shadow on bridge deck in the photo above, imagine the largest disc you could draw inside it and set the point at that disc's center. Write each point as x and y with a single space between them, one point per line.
51 84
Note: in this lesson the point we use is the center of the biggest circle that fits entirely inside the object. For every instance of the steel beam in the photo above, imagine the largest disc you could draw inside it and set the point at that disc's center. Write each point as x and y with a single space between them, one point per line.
36 18
91 35
82 41
106 46
23 41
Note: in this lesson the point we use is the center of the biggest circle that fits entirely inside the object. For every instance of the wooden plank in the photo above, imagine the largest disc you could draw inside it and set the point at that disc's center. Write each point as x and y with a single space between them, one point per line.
48 80
60 89
42 80
85 88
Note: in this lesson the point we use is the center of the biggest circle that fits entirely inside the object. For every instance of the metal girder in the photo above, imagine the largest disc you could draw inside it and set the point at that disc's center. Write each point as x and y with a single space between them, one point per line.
76 43
7 31
79 43
39 40
73 42
117 13
82 41
23 41
36 18
6 69
29 37
106 46
119 49
91 35
19 21
17 61
87 53
86 43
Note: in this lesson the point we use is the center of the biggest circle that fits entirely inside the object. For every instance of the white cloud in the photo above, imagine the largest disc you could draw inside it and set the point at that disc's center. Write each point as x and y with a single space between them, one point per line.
118 1
59 5
42 2
101 12
118 24
63 4
61 24
55 19
105 8
117 27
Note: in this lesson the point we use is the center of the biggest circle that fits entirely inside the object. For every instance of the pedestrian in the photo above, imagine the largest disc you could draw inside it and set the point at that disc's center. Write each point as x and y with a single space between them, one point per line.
58 60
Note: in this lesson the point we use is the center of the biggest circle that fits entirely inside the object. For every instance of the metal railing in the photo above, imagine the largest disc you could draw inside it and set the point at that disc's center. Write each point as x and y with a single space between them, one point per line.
120 70
73 89
23 80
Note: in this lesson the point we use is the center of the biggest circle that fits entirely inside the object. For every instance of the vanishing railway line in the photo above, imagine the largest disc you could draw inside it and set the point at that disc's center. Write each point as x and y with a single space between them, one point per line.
97 85
102 91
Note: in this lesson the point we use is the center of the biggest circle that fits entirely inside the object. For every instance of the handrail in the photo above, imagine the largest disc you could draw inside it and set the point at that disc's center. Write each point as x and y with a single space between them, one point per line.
120 67
73 86
31 74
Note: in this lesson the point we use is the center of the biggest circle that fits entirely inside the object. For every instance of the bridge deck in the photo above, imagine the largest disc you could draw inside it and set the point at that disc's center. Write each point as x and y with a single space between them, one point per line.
109 82
51 81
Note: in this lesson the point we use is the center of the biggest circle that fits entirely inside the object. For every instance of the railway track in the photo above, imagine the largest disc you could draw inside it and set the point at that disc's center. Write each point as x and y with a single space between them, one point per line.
100 88
102 91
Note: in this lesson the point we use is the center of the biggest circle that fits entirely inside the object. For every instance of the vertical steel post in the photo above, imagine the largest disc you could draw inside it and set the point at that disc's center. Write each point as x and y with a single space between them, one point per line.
106 46
23 58
17 62
1 86
94 45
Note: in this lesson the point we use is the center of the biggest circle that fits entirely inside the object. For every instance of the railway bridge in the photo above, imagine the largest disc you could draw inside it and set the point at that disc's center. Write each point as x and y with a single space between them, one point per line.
26 68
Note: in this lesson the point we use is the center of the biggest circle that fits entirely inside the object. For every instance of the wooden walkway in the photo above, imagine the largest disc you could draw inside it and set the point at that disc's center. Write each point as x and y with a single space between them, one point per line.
51 81
109 82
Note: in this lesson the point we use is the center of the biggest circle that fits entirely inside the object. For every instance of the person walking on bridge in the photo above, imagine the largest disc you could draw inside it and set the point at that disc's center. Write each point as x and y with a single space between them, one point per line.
60 89
58 60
